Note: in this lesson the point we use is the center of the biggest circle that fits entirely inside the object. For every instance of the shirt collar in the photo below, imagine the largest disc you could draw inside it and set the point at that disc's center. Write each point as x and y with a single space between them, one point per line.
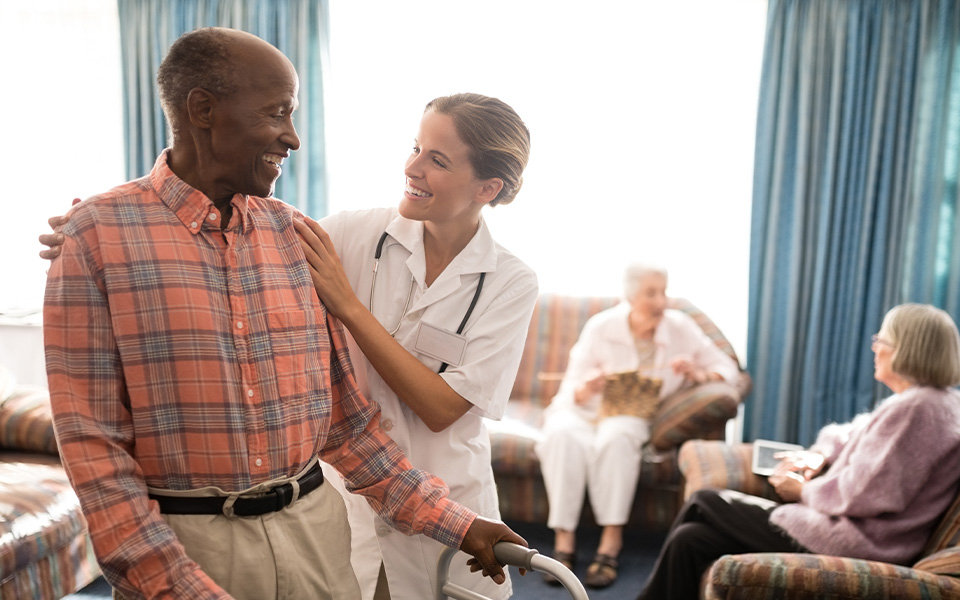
479 255
192 207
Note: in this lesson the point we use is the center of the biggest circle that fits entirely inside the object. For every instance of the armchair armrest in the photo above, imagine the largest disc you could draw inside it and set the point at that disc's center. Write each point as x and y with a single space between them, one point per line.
693 412
716 464
789 576
944 562
26 421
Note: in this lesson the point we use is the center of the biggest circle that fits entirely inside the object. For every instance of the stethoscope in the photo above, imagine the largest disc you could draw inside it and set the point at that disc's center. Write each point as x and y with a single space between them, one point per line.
406 305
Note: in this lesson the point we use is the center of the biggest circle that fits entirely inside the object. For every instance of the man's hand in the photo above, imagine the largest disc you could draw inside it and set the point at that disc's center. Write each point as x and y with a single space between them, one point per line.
479 541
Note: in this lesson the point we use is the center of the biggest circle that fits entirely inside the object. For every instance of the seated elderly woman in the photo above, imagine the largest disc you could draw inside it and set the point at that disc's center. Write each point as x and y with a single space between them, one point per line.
872 489
588 447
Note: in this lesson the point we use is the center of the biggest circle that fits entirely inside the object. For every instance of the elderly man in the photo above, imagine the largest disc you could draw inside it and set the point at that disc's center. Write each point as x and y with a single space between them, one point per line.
196 378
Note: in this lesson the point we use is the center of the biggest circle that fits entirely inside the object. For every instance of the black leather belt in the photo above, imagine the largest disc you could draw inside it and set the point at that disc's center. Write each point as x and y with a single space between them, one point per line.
272 501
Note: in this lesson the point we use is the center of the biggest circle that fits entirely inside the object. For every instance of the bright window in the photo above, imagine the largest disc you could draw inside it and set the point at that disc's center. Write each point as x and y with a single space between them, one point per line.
642 116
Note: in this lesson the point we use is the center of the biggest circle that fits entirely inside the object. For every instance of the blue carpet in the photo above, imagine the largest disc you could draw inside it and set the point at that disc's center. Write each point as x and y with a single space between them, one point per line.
636 560
640 550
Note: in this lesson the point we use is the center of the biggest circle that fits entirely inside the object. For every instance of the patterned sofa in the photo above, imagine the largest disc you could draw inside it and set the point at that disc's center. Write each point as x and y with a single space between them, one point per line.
44 548
710 464
694 412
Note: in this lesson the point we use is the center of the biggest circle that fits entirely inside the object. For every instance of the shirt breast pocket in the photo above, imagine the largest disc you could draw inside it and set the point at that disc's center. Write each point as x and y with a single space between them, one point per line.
288 342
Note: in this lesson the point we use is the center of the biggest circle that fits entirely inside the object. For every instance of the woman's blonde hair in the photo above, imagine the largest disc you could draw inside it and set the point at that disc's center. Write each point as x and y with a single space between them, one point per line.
498 139
926 345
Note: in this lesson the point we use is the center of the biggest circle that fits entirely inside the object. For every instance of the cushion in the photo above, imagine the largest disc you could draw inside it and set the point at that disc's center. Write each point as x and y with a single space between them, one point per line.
716 464
26 421
693 413
944 562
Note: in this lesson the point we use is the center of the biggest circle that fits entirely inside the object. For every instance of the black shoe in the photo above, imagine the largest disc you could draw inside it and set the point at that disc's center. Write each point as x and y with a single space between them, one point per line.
602 571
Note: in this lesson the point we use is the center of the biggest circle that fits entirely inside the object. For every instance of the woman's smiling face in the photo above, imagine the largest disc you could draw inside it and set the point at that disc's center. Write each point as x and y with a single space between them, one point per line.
441 183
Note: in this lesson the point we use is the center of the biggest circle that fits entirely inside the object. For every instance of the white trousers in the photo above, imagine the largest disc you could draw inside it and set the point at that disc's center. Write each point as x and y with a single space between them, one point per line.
603 459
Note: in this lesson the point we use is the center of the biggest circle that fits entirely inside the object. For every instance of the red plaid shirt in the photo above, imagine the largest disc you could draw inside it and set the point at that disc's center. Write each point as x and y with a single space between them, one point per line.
180 357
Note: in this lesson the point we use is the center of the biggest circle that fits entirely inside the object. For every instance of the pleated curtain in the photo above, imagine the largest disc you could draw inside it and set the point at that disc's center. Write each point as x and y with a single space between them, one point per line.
854 201
299 28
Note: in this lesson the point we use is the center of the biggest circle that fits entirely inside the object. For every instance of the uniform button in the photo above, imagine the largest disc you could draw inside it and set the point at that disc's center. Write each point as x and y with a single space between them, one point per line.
250 393
383 531
258 462
386 424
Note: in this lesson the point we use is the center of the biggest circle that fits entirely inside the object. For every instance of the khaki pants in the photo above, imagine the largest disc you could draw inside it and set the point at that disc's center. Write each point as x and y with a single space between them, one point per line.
302 551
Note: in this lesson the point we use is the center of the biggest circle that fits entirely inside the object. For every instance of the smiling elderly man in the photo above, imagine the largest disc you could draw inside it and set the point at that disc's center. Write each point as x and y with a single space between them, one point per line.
196 378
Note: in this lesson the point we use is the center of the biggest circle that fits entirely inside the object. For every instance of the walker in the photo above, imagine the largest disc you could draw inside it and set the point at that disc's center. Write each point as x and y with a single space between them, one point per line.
510 554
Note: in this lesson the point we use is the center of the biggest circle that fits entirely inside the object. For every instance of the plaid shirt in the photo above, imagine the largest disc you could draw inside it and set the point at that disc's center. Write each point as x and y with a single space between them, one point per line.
180 357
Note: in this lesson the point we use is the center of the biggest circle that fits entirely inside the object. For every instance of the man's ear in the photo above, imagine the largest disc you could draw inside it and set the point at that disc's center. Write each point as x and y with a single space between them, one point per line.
200 105
489 190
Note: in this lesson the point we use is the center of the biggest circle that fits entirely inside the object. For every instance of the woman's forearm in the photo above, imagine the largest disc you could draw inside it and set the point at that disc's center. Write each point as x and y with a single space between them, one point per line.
421 389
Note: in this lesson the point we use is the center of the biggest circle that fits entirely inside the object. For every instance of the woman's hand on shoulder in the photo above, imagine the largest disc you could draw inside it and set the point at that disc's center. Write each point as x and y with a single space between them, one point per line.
54 241
326 270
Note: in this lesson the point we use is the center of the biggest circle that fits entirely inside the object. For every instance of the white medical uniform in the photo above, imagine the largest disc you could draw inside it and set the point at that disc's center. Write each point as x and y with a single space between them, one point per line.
484 375
580 453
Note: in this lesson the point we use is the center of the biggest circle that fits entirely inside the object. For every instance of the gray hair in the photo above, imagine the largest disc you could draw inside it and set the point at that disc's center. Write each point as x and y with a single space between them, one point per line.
926 345
635 272
198 59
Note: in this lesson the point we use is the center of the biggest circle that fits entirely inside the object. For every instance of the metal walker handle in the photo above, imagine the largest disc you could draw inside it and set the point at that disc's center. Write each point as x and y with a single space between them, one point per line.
511 555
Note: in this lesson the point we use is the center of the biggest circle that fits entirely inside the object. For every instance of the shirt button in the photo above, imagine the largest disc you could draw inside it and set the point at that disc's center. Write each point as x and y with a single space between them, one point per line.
386 424
258 462
193 225
239 324
383 531
213 216
250 393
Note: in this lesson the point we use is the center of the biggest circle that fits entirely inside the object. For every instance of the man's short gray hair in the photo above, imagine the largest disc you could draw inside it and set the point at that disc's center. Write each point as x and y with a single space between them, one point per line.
198 59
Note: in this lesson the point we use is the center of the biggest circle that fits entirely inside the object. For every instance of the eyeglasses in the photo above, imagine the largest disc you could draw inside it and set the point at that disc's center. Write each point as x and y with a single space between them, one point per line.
876 339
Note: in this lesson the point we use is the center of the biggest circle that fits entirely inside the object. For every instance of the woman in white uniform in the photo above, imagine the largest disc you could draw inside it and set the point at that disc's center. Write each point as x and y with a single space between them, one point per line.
438 327
582 452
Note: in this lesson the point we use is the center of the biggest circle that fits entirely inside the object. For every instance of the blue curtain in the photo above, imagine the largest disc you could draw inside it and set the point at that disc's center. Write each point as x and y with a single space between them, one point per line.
854 202
297 27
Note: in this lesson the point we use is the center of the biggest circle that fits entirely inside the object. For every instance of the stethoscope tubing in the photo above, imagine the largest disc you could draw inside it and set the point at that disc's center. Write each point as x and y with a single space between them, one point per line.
373 286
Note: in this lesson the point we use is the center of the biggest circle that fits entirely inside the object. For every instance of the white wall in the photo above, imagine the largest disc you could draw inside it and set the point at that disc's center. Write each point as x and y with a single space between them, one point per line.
642 117
62 126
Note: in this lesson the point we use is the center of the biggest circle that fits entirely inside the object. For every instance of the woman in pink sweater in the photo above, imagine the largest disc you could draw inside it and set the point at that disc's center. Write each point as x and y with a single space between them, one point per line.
892 472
